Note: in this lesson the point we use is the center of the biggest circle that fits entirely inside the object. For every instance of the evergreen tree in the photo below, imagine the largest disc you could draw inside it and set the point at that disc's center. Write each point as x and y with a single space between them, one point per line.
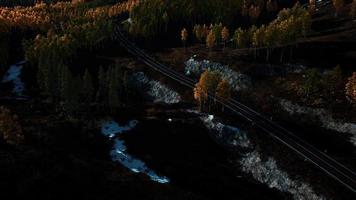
102 86
70 90
88 88
114 88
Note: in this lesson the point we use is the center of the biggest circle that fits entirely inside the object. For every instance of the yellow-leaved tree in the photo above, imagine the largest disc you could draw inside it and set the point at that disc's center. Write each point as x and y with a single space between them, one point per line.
210 40
207 84
223 90
351 88
225 35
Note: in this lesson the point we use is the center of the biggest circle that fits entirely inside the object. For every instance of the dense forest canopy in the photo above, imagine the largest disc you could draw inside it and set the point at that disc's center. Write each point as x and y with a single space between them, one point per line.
153 16
157 17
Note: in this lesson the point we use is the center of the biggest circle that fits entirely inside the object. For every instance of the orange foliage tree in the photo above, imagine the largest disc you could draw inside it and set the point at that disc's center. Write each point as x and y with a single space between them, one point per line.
351 88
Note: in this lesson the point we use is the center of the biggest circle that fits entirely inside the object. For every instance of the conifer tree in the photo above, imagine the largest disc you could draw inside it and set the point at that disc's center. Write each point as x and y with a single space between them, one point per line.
102 86
88 88
114 87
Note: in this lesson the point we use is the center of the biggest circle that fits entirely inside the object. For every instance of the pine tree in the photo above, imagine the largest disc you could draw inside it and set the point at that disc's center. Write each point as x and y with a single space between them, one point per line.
217 29
102 86
88 88
114 86
70 90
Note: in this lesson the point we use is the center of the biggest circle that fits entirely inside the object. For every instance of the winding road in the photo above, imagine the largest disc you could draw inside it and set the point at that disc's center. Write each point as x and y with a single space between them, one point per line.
330 166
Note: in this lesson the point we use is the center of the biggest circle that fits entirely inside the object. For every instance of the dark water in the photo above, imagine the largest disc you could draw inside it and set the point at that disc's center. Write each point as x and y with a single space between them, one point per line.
188 156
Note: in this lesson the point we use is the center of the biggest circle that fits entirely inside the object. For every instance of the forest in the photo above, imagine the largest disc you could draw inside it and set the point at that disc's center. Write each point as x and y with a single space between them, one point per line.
178 99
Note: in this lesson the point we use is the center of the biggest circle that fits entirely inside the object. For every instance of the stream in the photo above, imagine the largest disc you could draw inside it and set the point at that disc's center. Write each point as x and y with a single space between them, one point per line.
113 130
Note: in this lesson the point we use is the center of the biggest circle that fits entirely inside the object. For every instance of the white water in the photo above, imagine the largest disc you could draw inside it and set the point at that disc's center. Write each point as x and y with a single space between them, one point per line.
13 75
112 130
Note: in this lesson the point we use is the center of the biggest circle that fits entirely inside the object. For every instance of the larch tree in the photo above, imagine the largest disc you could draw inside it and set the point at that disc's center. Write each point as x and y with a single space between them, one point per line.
210 40
207 84
350 88
184 36
225 35
338 5
198 32
239 38
223 90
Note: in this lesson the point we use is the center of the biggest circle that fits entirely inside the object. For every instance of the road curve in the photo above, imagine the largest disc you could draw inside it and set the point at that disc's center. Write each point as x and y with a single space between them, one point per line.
330 166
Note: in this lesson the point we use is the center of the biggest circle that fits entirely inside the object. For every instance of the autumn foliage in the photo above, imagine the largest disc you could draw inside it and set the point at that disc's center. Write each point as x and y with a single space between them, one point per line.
351 88
211 84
